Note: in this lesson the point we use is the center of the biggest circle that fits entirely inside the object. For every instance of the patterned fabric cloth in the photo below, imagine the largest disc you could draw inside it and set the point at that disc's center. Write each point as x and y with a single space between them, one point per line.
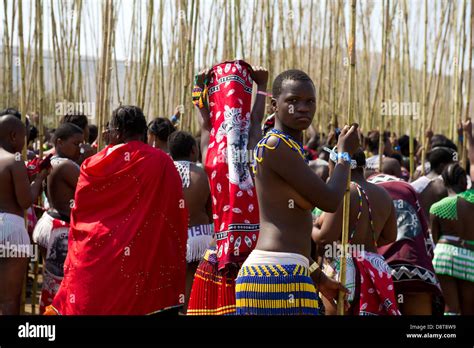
199 239
467 195
454 257
213 291
447 207
31 219
235 205
275 290
183 168
410 256
331 268
369 280
51 234
377 293
32 166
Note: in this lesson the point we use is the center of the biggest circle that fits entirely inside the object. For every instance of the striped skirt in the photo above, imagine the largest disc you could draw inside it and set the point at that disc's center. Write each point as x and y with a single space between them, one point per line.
213 291
275 290
454 261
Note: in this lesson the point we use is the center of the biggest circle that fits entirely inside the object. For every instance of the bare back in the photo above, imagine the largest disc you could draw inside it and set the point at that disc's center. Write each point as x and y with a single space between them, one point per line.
434 192
463 226
198 197
382 214
13 183
362 232
62 186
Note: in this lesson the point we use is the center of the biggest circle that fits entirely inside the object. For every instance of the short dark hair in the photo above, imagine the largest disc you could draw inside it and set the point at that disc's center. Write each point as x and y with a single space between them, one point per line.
79 120
32 133
161 127
293 75
11 111
359 157
372 139
440 155
398 157
404 143
180 144
14 112
65 131
439 140
452 174
129 120
93 132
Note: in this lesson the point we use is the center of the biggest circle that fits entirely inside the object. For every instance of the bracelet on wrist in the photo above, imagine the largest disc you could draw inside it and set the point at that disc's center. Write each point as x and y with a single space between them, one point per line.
264 93
344 156
314 266
334 157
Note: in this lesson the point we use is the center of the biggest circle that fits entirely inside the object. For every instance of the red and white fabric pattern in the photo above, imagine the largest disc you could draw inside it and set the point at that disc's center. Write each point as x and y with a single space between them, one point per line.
377 294
235 205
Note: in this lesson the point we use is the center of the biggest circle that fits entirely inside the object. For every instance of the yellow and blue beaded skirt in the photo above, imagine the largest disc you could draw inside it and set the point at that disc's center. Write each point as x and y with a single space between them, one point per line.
275 290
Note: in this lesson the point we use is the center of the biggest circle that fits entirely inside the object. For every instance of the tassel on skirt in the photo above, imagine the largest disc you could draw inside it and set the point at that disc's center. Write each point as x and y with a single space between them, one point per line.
213 291
275 290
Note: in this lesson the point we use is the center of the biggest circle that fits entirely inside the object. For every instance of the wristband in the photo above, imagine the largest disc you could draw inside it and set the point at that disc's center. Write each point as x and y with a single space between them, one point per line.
199 96
196 95
333 156
313 267
174 119
264 93
344 156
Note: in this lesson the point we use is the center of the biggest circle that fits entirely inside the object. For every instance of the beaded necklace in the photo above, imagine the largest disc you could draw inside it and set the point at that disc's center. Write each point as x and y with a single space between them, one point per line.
361 191
286 138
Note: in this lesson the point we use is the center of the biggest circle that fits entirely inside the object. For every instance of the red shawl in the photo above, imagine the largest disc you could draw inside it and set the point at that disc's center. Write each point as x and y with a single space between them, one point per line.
127 242
235 205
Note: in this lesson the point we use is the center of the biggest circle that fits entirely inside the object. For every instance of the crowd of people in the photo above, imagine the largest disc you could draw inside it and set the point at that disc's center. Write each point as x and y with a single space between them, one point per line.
245 217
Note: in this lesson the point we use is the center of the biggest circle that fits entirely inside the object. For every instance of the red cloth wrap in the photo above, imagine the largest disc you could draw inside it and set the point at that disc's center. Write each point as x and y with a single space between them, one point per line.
377 294
235 205
127 243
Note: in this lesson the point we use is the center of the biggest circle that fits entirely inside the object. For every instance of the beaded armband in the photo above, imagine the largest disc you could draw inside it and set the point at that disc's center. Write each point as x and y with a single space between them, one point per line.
262 145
